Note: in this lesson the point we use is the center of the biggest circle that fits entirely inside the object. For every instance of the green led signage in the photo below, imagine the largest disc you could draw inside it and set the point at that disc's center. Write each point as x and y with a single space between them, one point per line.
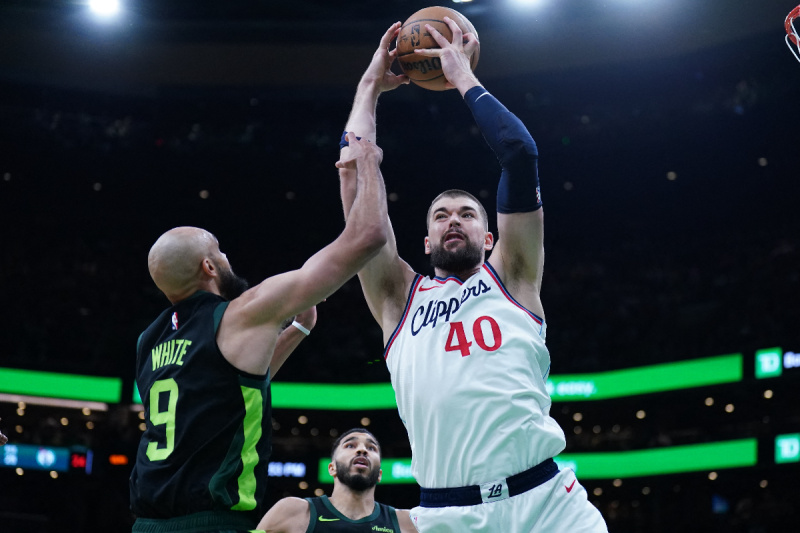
394 471
361 396
613 465
787 448
768 363
338 397
52 385
659 461
646 379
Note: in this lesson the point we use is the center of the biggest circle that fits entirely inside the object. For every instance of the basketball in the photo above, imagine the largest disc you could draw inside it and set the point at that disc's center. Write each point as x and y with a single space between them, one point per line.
427 71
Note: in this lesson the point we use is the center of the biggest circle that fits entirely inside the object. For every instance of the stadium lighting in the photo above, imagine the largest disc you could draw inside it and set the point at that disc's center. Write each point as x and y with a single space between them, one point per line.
104 8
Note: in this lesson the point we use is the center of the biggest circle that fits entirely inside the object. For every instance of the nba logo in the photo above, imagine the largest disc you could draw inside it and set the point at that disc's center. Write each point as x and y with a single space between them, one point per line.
175 321
415 31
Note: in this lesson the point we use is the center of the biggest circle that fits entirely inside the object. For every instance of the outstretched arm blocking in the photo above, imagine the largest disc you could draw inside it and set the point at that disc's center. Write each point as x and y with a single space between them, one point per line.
251 324
364 235
386 278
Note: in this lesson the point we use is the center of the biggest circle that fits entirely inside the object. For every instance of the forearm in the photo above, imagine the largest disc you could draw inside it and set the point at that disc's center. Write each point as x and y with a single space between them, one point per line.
289 339
367 197
347 189
362 122
362 119
518 190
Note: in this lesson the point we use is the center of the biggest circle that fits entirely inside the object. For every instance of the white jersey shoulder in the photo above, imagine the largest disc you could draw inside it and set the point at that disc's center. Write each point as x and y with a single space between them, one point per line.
469 367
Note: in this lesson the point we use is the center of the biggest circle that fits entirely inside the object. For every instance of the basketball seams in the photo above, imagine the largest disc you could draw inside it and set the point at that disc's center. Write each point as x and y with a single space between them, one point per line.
410 22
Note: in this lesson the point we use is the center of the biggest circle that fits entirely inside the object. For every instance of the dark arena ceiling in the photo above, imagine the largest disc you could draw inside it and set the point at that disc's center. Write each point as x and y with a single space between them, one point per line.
326 42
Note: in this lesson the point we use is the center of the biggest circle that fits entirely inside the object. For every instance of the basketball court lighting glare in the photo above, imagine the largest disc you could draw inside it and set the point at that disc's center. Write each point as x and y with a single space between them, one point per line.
104 8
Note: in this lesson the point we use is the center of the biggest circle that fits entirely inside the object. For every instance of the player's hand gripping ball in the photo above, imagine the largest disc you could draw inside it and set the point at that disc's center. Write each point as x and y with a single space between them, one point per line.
427 71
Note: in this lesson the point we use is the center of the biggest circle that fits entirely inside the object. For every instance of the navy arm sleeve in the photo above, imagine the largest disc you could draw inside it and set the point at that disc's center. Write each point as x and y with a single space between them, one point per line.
518 190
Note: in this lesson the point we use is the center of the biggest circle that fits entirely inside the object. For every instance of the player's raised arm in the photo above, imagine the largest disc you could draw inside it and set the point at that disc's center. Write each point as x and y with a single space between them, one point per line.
282 296
518 255
386 279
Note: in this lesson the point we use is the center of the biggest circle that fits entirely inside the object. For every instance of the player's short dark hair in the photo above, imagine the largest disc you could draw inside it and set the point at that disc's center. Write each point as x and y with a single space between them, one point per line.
339 440
456 193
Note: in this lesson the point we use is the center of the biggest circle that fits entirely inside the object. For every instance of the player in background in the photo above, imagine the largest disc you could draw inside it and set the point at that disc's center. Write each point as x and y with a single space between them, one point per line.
3 438
466 348
356 469
205 364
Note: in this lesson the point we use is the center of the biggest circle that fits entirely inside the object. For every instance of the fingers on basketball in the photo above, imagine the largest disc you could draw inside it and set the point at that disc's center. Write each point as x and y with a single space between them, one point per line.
425 68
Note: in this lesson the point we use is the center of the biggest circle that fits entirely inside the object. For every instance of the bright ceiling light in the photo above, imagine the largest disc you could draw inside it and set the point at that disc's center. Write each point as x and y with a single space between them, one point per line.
105 8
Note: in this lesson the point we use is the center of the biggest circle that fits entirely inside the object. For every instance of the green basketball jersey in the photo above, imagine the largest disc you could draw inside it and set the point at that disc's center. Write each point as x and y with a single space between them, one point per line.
325 518
207 439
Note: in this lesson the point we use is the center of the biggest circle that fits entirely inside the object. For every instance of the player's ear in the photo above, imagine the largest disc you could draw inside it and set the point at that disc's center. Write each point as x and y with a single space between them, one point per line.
488 241
427 246
332 469
208 267
380 475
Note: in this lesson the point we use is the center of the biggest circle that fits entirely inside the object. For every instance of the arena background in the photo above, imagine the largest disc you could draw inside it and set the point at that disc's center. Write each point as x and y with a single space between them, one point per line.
668 162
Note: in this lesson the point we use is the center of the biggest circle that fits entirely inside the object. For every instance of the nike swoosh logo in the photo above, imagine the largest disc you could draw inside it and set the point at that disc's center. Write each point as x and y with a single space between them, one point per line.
569 489
427 288
323 519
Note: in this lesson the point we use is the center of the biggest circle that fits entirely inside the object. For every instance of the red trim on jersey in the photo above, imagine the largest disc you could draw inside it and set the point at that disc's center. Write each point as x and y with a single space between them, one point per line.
405 314
511 299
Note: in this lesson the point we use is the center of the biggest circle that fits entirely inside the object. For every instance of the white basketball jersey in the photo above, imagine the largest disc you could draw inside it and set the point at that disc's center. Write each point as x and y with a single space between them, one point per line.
468 366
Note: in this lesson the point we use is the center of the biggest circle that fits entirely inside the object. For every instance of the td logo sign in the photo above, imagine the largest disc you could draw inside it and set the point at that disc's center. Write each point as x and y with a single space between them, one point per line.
769 363
787 448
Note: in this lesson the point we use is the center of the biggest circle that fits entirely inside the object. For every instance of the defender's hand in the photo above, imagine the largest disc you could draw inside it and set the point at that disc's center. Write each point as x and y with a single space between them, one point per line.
360 150
379 71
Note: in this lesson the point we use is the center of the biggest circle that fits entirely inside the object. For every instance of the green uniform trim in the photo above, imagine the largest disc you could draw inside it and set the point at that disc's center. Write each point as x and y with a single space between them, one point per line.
253 401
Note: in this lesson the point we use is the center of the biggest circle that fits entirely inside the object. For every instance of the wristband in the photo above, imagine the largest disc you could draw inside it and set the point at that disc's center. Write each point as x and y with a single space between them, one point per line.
301 327
343 141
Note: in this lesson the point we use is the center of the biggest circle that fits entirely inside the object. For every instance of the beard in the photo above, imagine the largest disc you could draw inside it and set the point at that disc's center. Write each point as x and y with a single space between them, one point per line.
230 285
357 482
459 260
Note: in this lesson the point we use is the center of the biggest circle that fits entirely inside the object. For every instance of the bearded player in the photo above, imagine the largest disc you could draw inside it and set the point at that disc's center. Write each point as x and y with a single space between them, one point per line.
356 469
466 347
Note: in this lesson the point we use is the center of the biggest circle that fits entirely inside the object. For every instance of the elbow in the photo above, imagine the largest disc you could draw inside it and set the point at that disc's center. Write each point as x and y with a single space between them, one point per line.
370 240
376 238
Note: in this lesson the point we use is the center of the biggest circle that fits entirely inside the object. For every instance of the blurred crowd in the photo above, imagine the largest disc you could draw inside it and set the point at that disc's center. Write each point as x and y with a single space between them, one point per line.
671 223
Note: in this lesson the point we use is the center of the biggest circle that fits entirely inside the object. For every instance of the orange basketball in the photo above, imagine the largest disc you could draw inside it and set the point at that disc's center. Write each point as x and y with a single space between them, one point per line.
427 71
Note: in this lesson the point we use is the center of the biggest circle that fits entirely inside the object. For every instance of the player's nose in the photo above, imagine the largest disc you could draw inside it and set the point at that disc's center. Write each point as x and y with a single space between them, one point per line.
361 449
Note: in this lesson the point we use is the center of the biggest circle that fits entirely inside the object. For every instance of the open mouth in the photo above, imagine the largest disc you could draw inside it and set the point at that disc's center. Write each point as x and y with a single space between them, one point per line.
361 461
453 236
